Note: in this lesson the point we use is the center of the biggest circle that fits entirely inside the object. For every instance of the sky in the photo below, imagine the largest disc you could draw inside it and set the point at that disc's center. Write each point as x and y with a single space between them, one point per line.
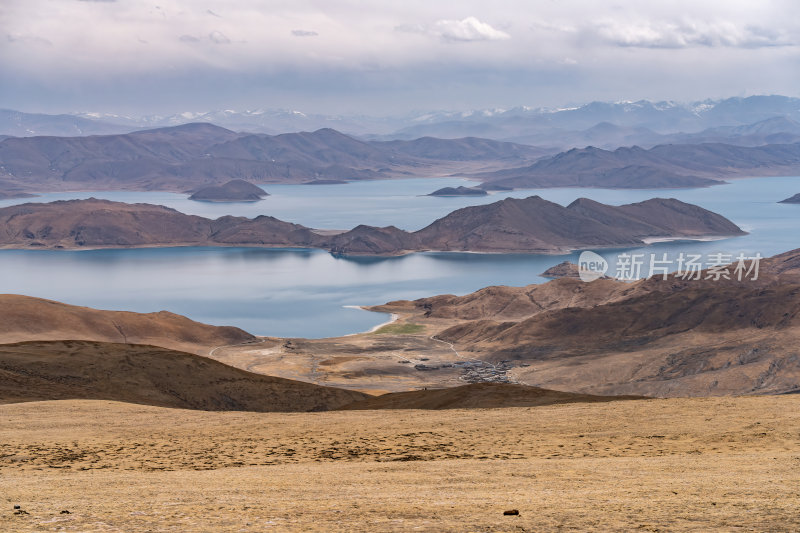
388 57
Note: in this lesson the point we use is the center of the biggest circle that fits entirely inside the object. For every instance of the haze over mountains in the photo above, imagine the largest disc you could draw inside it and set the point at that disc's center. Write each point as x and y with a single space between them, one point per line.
742 121
662 166
189 157
193 156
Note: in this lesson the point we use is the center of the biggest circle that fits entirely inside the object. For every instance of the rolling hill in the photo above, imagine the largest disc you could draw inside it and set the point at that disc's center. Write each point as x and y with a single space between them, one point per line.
69 370
24 318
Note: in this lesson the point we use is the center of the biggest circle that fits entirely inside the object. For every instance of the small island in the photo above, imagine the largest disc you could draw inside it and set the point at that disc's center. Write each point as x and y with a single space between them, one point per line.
15 194
233 191
562 270
326 182
459 191
791 200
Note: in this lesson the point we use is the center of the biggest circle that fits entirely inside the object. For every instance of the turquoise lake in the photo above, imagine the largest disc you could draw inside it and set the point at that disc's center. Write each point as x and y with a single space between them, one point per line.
306 292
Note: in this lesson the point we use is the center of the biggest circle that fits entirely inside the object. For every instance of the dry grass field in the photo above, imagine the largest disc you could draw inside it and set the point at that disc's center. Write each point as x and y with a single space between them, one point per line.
727 464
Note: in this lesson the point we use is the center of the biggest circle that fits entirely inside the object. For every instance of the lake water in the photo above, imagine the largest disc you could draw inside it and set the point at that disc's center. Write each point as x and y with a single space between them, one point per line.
305 292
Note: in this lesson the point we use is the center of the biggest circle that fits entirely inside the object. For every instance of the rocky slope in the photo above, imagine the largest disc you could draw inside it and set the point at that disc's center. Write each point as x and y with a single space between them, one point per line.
654 337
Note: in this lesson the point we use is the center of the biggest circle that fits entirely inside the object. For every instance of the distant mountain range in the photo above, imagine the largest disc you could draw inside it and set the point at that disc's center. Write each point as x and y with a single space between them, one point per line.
193 156
532 225
19 124
686 165
637 119
603 124
189 157
186 158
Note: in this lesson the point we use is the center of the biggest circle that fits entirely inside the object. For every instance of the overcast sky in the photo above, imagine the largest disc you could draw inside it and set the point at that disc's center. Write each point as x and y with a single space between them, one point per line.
386 57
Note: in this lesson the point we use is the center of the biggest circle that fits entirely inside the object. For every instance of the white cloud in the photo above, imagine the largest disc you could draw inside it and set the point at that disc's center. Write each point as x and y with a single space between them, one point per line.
217 37
686 34
468 29
355 50
28 39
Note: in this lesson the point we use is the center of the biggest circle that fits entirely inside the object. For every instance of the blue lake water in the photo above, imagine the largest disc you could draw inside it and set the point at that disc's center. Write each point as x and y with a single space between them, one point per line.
304 292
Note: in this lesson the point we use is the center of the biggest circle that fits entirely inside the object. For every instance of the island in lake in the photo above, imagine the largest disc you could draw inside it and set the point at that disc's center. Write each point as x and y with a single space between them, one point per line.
530 225
791 200
232 191
459 191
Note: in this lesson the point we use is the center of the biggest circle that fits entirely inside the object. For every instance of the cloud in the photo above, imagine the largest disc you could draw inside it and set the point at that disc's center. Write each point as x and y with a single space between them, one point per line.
28 39
217 37
686 34
465 30
304 33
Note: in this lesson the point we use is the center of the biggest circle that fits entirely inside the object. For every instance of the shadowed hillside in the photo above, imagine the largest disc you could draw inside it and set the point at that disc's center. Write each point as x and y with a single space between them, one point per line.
479 396
60 370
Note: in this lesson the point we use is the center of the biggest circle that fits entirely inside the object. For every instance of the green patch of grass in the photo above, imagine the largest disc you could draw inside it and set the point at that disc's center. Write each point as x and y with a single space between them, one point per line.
399 329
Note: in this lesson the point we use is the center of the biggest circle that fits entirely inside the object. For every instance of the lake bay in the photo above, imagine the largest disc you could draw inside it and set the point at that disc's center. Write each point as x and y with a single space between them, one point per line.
285 292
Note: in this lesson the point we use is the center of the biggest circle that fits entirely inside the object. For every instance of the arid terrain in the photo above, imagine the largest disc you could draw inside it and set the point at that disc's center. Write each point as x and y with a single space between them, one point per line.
654 337
197 445
723 464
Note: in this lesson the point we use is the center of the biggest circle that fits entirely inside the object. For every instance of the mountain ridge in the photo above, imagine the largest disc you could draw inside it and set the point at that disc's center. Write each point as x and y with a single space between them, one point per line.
530 225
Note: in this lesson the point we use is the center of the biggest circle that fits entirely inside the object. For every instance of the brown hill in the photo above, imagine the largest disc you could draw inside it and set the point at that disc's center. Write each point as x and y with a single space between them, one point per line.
105 224
60 370
537 225
654 337
532 225
479 396
23 318
232 191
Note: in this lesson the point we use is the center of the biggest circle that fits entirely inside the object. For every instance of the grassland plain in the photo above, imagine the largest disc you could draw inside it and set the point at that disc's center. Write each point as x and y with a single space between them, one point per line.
728 464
